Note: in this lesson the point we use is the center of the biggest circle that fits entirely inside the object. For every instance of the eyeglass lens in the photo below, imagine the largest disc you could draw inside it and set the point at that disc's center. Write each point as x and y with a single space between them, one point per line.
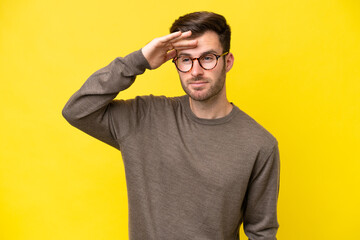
185 63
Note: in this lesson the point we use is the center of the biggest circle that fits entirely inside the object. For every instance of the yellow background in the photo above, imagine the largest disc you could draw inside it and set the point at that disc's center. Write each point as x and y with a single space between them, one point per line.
296 72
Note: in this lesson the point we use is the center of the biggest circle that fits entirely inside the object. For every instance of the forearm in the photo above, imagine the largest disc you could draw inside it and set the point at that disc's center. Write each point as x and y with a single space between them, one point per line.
89 108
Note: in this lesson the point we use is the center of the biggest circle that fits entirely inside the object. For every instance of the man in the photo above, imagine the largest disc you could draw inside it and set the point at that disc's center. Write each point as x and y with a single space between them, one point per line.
197 167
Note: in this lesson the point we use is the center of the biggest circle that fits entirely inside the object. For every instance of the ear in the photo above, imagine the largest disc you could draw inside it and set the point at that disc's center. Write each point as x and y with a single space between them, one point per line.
229 58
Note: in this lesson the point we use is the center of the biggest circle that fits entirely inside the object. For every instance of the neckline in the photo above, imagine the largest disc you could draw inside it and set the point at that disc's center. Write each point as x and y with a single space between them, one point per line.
186 104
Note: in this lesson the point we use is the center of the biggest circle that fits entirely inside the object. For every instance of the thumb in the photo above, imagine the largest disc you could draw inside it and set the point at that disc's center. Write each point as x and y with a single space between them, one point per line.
171 54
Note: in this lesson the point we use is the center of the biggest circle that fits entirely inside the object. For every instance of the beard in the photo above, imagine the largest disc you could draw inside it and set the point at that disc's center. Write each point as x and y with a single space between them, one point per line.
216 87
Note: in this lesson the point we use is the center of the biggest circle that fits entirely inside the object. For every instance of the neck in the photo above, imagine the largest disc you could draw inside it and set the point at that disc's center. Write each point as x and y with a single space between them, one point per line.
216 107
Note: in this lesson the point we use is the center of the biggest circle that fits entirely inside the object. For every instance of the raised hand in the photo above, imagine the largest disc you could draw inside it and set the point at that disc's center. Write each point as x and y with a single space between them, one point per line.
162 49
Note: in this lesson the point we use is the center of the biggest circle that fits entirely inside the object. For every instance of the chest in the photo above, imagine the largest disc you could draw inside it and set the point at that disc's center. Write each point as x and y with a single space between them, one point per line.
217 158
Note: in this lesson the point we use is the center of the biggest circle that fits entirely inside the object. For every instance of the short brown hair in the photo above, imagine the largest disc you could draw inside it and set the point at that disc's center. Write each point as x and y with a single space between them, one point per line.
200 22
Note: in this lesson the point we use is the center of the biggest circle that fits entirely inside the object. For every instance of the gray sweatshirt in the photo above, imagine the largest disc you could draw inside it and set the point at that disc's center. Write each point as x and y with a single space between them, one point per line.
187 177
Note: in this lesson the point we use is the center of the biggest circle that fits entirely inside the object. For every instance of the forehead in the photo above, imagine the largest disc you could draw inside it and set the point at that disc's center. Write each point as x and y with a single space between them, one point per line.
209 41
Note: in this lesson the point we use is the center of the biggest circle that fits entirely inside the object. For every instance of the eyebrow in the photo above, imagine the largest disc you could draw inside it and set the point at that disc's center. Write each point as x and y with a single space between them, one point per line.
204 53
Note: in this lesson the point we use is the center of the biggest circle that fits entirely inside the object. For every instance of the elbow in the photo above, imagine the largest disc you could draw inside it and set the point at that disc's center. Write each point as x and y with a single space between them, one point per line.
69 114
77 116
66 114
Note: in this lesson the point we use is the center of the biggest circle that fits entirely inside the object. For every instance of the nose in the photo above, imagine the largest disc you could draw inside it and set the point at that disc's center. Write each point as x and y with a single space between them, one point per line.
197 70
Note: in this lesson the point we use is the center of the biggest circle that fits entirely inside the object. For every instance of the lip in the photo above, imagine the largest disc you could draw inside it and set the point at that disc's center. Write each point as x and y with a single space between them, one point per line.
198 83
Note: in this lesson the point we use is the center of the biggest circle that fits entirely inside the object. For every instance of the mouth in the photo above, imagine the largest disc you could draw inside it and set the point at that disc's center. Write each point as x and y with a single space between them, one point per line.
198 84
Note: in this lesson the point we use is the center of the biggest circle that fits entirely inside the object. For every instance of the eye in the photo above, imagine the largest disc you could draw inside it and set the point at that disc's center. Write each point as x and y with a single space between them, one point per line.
208 57
185 59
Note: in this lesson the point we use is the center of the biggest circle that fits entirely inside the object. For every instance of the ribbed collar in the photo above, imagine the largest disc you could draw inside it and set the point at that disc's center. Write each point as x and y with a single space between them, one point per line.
186 105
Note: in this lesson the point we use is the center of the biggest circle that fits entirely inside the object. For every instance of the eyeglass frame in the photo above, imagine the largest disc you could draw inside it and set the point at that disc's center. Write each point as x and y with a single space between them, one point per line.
198 58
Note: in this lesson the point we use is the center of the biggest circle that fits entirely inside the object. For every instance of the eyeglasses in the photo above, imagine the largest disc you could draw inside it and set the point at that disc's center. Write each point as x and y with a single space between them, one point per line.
207 61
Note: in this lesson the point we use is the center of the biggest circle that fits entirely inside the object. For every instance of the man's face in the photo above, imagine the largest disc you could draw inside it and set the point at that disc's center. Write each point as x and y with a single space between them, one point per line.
201 84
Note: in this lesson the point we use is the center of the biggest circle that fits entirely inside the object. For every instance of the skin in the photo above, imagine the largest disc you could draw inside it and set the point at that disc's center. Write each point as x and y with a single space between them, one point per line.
206 88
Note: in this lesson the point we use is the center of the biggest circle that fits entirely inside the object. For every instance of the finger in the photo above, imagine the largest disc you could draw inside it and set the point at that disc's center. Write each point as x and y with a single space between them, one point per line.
169 37
183 36
185 44
174 37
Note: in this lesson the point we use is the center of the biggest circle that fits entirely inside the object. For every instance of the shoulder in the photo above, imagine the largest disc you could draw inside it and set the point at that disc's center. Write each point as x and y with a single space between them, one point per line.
158 101
151 103
255 134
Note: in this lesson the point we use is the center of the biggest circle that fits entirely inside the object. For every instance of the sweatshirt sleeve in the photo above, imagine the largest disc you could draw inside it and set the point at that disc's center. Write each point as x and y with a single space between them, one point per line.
92 108
260 213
